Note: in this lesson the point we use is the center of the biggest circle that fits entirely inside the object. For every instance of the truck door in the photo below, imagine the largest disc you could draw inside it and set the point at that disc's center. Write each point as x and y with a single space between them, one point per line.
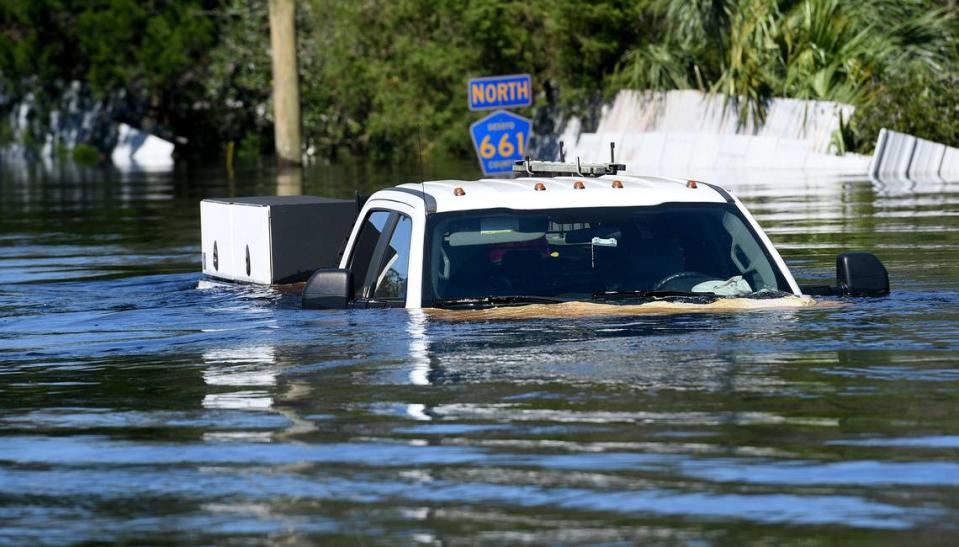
380 260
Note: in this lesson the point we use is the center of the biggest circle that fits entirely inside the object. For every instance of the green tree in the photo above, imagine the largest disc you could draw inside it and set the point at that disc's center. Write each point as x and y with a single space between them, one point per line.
388 77
753 50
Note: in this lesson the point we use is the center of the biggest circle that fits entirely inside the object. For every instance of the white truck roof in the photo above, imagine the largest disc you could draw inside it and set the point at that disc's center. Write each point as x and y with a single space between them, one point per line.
527 193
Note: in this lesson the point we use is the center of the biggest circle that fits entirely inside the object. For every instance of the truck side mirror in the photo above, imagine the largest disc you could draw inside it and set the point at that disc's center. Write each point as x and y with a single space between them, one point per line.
328 289
861 274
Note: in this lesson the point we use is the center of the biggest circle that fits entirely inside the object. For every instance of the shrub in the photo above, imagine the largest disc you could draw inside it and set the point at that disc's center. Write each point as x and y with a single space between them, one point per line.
85 154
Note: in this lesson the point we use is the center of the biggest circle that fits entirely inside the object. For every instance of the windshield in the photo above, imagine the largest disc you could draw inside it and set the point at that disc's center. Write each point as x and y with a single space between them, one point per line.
594 252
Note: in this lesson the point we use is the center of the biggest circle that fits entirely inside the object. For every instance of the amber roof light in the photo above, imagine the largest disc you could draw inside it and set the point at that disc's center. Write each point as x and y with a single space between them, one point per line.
578 185
691 184
617 184
459 192
539 187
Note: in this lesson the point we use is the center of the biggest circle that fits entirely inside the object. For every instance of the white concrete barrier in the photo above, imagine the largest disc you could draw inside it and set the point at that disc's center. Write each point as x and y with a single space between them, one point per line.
926 160
950 164
900 157
137 149
676 150
705 151
760 153
733 150
894 155
687 129
792 154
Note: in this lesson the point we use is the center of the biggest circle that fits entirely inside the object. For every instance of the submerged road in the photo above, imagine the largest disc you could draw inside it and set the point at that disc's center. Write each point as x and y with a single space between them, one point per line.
140 403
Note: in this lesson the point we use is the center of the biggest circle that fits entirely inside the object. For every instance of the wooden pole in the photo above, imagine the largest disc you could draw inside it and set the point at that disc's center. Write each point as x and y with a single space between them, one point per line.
289 182
286 84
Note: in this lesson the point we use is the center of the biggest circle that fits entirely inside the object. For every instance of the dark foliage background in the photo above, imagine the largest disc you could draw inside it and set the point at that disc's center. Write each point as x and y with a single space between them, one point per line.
387 78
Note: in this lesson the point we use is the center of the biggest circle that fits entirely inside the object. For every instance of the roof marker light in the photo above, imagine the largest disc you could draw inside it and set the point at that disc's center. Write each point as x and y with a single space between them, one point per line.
539 187
459 192
691 184
578 185
617 184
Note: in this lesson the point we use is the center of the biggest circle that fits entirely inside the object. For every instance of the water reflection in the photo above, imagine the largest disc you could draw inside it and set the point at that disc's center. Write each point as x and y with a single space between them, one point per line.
254 370
419 348
420 362
247 367
289 182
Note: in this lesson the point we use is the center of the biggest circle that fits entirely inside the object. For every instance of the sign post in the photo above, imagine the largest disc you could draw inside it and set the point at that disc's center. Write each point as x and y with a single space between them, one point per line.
500 139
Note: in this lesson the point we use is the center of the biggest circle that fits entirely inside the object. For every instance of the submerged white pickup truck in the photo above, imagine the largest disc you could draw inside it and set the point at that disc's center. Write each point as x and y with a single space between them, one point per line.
556 233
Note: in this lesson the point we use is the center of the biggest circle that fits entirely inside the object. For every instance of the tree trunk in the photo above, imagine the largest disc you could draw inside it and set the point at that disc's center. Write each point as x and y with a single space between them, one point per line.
286 85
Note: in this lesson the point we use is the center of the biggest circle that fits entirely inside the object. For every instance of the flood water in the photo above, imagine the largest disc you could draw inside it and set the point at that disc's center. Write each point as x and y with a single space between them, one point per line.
138 404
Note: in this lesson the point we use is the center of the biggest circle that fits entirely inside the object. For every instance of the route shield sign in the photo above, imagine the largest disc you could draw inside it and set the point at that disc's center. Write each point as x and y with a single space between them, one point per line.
513 91
500 140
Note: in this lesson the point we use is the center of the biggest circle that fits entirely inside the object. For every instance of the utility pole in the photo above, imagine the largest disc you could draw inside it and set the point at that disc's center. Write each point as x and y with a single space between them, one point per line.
286 84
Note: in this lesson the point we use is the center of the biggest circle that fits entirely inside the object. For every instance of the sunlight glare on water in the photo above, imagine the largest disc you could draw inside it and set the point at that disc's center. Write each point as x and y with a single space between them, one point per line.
139 402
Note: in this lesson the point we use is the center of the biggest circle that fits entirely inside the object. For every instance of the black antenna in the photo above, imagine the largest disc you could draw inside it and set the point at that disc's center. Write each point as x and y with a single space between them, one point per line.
562 152
612 152
419 149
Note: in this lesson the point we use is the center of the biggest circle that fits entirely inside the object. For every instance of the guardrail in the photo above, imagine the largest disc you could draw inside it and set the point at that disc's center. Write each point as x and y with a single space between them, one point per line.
900 156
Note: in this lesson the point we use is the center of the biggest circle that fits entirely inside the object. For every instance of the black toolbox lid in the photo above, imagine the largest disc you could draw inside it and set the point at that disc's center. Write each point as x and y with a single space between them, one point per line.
273 201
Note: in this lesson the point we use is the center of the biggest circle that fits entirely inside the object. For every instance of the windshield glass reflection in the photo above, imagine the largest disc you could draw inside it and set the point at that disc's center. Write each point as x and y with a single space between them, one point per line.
705 249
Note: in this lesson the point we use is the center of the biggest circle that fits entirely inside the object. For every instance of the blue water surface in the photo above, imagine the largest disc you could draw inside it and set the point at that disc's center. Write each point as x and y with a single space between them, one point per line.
141 403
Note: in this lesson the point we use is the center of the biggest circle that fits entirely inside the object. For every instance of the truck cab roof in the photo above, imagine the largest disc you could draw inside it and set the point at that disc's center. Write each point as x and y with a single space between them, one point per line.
530 193
568 236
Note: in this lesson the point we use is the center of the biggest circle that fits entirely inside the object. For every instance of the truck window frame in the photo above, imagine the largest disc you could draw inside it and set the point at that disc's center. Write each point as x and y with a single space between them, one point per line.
366 288
779 270
383 262
359 291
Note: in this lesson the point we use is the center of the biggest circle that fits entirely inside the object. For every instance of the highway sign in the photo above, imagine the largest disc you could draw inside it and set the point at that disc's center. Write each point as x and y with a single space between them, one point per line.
512 91
500 139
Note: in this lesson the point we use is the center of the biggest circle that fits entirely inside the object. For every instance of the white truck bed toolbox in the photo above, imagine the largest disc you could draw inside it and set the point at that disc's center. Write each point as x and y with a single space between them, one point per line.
278 239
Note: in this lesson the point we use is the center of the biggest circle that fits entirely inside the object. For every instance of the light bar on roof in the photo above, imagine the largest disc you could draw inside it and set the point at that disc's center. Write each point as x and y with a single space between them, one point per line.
555 169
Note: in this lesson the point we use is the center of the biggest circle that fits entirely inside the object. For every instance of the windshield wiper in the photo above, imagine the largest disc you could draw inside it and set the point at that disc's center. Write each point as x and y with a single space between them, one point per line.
494 301
613 295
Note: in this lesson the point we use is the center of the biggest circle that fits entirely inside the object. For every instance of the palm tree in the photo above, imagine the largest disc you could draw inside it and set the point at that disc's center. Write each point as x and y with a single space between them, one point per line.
753 50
